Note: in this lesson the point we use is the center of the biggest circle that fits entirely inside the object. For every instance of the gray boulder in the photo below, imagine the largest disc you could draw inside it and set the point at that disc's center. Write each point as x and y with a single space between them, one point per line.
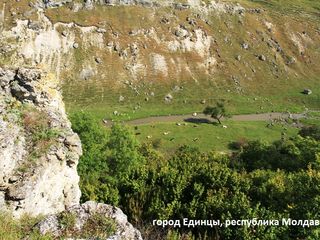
80 215
307 91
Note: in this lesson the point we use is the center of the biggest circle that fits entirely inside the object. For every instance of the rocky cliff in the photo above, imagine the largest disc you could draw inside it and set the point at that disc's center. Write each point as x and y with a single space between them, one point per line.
39 151
39 154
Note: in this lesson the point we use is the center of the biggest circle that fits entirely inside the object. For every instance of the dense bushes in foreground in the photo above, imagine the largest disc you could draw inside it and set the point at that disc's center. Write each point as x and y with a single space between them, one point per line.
263 181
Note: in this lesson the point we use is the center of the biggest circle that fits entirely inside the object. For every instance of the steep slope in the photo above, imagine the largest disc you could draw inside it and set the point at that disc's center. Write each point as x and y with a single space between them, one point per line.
39 151
159 57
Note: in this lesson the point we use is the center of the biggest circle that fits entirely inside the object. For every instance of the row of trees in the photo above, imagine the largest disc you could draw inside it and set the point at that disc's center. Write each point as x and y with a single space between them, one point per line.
264 181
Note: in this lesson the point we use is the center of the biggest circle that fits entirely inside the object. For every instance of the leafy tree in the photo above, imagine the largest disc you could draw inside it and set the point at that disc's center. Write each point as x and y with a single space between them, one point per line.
293 195
96 183
290 155
311 131
124 157
94 139
217 112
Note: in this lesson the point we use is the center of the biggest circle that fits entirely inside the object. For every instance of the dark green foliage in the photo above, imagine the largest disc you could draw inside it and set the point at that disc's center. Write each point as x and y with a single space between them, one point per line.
295 195
124 157
290 155
217 112
96 182
262 180
311 131
110 163
239 144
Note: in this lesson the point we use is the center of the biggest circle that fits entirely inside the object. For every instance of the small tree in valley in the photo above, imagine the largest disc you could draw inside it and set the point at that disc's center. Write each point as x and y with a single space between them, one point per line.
217 112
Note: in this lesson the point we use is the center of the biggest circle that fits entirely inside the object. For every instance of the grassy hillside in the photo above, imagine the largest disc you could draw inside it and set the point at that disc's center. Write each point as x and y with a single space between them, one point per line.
258 60
208 137
249 85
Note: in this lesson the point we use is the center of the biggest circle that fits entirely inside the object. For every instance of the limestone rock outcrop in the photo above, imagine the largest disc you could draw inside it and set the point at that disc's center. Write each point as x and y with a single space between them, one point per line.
39 152
90 211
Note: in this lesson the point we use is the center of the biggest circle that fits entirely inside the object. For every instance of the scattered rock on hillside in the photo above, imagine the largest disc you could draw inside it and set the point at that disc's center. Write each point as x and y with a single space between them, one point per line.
245 45
262 58
191 21
101 30
165 20
86 73
76 45
307 91
117 47
76 7
88 4
177 88
180 32
168 98
98 60
54 3
121 98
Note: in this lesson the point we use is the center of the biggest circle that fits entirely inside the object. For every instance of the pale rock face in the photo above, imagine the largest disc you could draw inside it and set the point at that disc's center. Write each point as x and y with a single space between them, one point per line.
124 230
159 64
297 42
200 45
91 37
12 146
46 47
42 45
2 14
49 184
53 46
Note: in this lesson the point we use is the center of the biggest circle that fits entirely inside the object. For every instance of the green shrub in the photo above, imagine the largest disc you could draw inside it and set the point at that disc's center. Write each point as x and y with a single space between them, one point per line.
290 155
311 131
67 221
98 226
264 181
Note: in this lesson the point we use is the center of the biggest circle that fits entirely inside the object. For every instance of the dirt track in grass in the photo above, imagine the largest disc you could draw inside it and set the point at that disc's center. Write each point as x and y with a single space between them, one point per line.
201 118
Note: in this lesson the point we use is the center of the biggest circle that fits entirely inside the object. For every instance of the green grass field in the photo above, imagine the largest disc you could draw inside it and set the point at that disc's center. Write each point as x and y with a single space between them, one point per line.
208 137
189 100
